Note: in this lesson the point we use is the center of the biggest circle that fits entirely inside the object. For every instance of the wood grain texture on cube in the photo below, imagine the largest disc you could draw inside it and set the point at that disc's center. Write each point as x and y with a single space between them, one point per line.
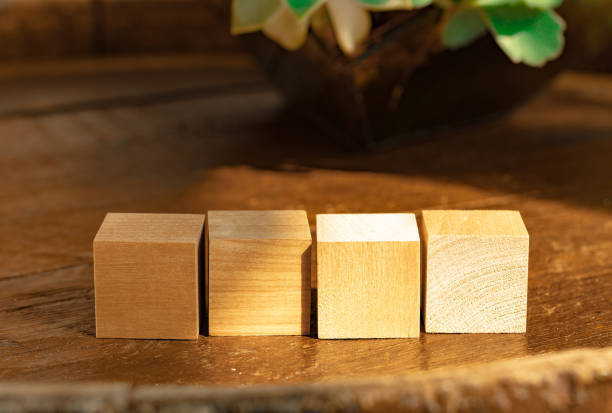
146 276
258 277
368 276
475 272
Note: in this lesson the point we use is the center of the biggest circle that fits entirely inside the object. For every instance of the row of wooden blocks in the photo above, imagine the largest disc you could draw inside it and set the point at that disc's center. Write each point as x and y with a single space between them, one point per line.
372 271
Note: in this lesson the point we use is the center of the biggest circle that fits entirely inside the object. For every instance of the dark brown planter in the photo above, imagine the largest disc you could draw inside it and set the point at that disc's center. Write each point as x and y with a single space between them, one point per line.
402 85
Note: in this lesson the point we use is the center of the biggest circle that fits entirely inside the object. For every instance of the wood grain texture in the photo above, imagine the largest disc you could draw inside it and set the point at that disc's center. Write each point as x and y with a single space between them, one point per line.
237 149
476 272
368 276
258 278
45 29
61 397
36 29
146 271
571 381
576 381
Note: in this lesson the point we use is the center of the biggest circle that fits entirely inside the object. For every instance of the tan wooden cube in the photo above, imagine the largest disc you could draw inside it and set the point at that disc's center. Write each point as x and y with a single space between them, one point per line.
368 276
146 276
476 270
258 273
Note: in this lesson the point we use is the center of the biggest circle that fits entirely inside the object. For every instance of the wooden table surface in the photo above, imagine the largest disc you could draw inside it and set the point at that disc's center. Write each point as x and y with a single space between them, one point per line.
78 140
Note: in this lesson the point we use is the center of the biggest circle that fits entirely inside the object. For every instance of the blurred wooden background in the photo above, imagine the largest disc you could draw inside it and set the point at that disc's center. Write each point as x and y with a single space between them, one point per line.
45 29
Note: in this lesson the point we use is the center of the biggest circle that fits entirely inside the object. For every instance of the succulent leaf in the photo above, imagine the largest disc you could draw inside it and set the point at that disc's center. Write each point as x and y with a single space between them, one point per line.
528 31
303 8
351 23
527 35
420 3
250 15
376 3
286 29
543 4
536 4
464 26
393 4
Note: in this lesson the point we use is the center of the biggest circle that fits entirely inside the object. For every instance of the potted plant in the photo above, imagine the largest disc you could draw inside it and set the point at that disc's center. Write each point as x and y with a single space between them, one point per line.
373 71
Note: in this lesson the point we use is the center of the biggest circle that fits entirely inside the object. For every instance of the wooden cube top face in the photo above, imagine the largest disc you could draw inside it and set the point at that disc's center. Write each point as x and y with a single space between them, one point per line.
243 225
146 271
476 272
258 276
368 277
165 228
366 228
474 223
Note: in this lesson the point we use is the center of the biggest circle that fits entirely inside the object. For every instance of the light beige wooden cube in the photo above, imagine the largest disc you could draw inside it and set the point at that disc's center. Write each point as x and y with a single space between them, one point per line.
258 273
146 276
368 276
476 271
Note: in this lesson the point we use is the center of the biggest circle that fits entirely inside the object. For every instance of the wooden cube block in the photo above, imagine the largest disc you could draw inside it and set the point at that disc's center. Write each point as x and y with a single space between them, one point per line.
368 276
146 271
258 273
475 278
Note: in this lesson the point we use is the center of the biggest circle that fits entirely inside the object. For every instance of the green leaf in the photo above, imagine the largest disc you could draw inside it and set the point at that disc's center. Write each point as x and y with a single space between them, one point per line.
302 8
394 4
286 29
464 26
250 15
421 3
351 22
543 4
375 3
485 3
526 35
536 4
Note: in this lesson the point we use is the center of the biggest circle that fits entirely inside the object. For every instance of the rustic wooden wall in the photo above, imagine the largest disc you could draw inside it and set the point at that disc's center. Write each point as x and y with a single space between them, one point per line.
33 29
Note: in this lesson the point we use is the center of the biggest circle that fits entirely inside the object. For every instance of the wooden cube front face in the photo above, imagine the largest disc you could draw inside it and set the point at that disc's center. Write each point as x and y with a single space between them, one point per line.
476 272
258 277
368 287
146 270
